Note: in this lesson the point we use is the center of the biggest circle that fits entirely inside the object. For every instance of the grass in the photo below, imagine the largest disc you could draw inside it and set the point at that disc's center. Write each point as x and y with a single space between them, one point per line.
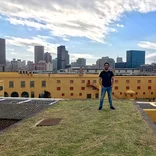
84 131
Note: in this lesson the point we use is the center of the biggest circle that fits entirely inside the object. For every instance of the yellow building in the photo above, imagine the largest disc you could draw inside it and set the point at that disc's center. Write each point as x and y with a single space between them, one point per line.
73 86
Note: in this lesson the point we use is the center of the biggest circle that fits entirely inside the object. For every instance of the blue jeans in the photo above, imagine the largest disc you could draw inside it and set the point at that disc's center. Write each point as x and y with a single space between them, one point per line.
103 93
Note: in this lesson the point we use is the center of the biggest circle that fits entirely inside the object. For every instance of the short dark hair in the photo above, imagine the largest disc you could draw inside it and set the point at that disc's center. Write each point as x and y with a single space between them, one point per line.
106 63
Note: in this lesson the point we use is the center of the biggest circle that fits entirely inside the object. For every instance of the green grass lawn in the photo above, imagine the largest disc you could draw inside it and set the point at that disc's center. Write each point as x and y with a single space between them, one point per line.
83 131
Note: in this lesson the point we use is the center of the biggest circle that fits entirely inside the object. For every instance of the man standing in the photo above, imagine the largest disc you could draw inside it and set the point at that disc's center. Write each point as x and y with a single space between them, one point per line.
106 80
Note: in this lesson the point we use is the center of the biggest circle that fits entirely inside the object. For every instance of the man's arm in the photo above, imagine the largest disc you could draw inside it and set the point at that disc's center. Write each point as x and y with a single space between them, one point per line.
112 81
100 81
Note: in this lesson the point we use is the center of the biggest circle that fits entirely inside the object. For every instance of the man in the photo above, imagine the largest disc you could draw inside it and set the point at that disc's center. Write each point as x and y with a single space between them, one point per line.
106 80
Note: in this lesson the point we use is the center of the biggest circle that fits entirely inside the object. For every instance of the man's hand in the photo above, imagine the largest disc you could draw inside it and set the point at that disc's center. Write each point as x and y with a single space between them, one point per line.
112 82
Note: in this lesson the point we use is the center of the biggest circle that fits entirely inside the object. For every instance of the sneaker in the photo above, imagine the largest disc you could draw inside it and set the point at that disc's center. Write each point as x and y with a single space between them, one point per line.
100 108
112 108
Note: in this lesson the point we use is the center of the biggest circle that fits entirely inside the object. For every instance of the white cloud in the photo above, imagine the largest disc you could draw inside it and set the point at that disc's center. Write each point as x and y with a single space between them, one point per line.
10 49
28 23
66 39
151 58
91 19
151 55
29 43
120 25
75 56
13 53
147 45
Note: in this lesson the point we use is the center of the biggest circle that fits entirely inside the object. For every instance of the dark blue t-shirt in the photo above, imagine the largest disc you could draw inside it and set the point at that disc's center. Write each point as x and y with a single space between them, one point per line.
106 78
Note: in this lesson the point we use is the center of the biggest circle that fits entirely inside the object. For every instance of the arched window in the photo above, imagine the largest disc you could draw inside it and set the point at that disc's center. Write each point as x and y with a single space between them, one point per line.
24 94
6 94
14 94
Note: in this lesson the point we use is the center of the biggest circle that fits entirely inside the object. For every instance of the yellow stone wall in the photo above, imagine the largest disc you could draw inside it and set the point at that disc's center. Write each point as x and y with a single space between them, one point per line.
151 113
79 83
1 88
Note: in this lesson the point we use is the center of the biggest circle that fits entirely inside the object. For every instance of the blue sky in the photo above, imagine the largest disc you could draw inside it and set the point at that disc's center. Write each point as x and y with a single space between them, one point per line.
90 30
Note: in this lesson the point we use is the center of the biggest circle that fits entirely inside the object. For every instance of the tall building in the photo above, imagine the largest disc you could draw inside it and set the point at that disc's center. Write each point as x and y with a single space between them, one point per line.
81 62
62 57
100 62
39 53
47 57
67 58
135 58
148 68
8 66
30 65
49 67
54 62
74 64
120 65
14 65
2 54
40 66
119 60
21 64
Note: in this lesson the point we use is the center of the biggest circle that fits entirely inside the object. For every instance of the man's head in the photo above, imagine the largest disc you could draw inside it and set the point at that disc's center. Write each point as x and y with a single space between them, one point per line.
106 66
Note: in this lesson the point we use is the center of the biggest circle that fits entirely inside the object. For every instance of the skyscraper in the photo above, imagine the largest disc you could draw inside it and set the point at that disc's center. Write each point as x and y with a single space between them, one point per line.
81 62
100 62
67 58
2 53
54 62
135 58
48 57
119 60
62 57
14 65
39 53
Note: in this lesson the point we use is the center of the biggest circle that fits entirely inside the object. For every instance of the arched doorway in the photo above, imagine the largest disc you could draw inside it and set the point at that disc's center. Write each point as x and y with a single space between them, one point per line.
25 94
6 94
45 94
14 94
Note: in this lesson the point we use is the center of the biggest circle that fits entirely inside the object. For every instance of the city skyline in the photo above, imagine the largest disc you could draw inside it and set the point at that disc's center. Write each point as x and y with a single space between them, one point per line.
89 30
40 55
